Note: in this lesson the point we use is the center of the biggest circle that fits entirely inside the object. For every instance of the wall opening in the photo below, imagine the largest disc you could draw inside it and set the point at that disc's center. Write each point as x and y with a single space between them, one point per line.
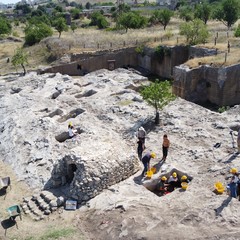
71 169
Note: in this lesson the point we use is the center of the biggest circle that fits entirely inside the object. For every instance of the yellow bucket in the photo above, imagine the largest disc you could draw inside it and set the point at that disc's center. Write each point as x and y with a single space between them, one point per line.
149 173
219 187
184 185
153 169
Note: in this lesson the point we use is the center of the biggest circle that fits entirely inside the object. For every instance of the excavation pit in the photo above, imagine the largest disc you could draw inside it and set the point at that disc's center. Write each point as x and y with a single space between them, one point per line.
72 114
153 185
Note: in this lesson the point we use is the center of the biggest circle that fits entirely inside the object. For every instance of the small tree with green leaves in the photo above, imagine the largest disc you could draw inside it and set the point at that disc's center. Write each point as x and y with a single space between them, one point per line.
227 12
60 25
237 31
97 19
20 58
132 20
195 32
186 13
163 16
203 11
73 26
158 94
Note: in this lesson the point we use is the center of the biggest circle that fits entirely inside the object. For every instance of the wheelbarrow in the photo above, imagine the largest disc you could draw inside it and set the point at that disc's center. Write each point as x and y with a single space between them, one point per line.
14 211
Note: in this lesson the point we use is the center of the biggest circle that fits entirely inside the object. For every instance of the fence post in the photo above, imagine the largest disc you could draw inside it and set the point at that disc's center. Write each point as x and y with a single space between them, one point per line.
98 45
217 35
225 57
215 41
124 43
228 46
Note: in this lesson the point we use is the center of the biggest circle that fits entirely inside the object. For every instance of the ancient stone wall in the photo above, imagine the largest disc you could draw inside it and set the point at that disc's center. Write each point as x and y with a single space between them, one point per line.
163 67
82 63
91 177
217 85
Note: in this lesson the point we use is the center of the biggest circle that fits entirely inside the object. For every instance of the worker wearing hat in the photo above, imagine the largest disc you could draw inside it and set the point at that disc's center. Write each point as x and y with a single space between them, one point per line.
173 181
146 161
232 186
162 186
184 179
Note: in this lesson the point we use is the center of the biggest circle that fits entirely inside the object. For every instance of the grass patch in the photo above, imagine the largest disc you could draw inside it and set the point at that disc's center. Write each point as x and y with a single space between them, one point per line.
53 234
57 233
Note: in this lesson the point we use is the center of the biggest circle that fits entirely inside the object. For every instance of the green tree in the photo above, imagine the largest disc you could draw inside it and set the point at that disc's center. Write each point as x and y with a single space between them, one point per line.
237 31
20 58
40 19
227 12
24 8
35 33
73 26
75 13
163 16
195 32
158 94
97 19
132 20
186 13
5 26
60 25
203 11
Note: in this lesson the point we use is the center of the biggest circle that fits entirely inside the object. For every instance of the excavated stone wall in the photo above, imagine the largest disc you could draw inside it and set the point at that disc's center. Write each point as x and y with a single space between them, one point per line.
217 85
91 177
80 64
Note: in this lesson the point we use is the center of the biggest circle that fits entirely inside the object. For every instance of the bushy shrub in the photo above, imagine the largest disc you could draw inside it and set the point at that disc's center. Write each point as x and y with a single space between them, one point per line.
237 31
35 33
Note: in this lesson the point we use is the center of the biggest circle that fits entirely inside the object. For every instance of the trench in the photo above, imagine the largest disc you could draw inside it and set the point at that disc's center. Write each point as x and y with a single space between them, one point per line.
72 114
152 185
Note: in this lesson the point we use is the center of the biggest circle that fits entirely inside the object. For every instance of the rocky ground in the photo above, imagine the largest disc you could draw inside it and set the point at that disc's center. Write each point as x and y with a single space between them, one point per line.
126 210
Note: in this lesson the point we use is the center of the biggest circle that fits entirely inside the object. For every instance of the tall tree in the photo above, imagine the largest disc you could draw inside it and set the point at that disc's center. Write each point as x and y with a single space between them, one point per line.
186 13
158 95
163 16
60 25
20 58
228 12
203 11
132 20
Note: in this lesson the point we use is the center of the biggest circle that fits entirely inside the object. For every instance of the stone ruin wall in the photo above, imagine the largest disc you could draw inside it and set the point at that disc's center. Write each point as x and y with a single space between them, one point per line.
84 63
91 178
204 83
217 85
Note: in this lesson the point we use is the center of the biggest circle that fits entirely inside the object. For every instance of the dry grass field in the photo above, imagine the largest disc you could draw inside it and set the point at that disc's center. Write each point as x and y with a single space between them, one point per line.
92 39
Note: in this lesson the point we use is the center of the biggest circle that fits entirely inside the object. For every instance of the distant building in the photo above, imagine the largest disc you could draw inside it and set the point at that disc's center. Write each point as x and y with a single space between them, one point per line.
172 4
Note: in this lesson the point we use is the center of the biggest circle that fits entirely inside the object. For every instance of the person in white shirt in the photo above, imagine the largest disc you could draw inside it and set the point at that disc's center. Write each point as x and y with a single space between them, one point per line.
141 134
71 131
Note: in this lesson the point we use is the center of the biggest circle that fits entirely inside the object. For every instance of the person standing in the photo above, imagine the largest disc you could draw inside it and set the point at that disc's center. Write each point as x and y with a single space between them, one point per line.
141 134
146 161
238 140
165 147
232 186
140 149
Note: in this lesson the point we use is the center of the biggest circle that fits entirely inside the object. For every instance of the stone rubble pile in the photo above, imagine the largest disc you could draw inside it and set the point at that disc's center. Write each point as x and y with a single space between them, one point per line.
38 206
